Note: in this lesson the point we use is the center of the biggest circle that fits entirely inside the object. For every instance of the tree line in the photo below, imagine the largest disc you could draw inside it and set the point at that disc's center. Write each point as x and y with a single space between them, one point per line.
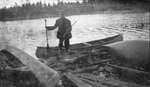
39 10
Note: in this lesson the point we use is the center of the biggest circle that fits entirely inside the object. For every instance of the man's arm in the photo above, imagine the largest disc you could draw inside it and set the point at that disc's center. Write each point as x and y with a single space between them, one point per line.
52 27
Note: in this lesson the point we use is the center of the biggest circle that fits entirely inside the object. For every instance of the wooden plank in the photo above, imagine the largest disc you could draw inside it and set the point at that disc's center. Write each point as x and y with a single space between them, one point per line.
76 80
93 83
100 62
87 44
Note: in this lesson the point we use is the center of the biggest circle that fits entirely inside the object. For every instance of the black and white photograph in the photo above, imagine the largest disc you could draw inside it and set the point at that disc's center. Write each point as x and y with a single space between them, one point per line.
74 43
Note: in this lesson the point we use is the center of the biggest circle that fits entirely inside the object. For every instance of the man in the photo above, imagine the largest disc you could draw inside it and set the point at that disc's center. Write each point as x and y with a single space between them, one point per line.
64 31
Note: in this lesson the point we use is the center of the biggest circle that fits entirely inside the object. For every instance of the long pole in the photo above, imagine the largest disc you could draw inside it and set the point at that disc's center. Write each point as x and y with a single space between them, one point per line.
46 35
74 23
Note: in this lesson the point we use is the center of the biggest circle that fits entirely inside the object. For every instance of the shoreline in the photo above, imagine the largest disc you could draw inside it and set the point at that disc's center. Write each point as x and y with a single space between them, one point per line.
86 13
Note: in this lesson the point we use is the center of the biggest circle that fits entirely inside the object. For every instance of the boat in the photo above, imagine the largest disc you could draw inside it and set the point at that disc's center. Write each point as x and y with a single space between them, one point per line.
45 75
77 49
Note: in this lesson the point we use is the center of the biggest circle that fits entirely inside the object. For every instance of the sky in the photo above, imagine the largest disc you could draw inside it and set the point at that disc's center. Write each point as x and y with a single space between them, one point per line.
10 3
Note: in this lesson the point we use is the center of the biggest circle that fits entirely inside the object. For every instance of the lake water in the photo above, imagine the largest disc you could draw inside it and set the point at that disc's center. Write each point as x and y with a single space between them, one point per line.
28 34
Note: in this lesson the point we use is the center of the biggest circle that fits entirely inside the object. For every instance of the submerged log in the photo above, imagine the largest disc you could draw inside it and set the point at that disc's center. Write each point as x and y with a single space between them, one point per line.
45 75
132 53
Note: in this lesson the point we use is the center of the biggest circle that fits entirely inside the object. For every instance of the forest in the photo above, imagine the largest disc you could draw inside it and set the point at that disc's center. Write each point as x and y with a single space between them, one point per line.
41 10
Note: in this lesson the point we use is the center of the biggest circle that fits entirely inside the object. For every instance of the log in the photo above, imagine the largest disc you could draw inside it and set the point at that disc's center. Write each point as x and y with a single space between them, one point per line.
129 69
110 82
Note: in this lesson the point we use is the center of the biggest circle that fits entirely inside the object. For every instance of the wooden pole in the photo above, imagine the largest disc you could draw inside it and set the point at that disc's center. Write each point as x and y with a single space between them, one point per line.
46 35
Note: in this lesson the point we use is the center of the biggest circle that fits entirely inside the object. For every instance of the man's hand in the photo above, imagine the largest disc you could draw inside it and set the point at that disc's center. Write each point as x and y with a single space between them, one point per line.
48 28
